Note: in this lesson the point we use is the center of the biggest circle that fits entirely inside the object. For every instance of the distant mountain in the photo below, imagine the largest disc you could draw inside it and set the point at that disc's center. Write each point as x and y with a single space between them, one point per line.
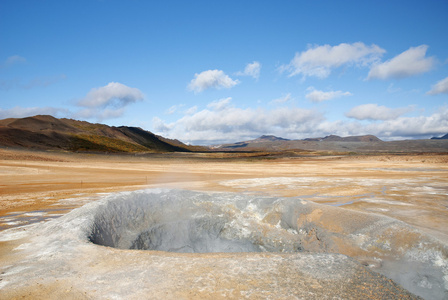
271 142
445 137
268 138
47 132
337 144
335 138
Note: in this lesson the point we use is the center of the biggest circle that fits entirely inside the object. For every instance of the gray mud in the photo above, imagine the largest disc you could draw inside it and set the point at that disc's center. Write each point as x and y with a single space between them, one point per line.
302 249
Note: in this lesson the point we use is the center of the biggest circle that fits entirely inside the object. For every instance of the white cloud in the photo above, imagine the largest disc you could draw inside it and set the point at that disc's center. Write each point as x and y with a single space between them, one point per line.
114 94
282 100
319 96
376 112
22 112
160 125
393 129
318 61
252 69
211 79
223 122
108 102
441 87
421 126
226 123
411 62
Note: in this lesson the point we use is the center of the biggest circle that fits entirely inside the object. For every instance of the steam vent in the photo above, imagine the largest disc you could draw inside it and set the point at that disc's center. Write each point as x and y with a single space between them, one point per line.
193 245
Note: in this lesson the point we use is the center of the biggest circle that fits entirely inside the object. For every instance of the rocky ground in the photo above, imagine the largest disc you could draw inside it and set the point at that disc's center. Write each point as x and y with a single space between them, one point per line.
37 188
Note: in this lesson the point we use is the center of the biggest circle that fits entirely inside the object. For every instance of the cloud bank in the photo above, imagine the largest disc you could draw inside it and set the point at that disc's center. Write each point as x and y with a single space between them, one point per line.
222 121
319 61
399 127
211 79
409 63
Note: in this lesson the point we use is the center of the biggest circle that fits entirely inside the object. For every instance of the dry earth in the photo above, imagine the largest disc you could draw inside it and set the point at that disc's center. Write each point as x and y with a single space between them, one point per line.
38 186
411 188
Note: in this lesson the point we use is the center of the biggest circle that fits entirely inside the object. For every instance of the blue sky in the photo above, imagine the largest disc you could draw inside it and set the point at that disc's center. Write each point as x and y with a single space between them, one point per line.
209 72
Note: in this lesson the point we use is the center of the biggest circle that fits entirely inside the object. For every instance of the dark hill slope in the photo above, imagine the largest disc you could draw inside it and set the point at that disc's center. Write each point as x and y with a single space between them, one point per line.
445 137
47 132
148 139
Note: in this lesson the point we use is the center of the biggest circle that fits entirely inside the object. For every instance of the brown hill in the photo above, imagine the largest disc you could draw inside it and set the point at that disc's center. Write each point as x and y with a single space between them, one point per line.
49 133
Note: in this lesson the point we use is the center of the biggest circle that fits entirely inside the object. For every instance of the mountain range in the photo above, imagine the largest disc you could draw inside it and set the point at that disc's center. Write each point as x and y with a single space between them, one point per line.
44 132
334 143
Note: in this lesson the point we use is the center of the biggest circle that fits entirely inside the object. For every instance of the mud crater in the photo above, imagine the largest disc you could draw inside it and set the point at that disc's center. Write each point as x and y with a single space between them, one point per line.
194 223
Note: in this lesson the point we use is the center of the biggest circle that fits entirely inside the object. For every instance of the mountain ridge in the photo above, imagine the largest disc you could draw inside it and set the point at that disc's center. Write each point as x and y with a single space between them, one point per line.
48 133
45 132
336 144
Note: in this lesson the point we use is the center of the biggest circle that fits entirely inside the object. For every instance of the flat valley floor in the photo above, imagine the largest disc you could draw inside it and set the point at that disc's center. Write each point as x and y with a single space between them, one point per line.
39 186
35 186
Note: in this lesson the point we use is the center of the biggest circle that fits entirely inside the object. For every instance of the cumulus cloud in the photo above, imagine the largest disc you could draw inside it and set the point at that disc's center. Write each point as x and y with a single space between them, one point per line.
441 87
318 61
319 96
211 79
411 62
393 129
22 112
113 94
252 69
376 112
221 121
109 101
421 126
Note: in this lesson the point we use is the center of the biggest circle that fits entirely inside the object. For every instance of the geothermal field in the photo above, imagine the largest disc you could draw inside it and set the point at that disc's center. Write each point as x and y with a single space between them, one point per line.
223 225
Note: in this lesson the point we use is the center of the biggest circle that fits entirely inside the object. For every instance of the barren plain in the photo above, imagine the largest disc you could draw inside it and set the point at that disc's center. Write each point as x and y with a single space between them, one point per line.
37 187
